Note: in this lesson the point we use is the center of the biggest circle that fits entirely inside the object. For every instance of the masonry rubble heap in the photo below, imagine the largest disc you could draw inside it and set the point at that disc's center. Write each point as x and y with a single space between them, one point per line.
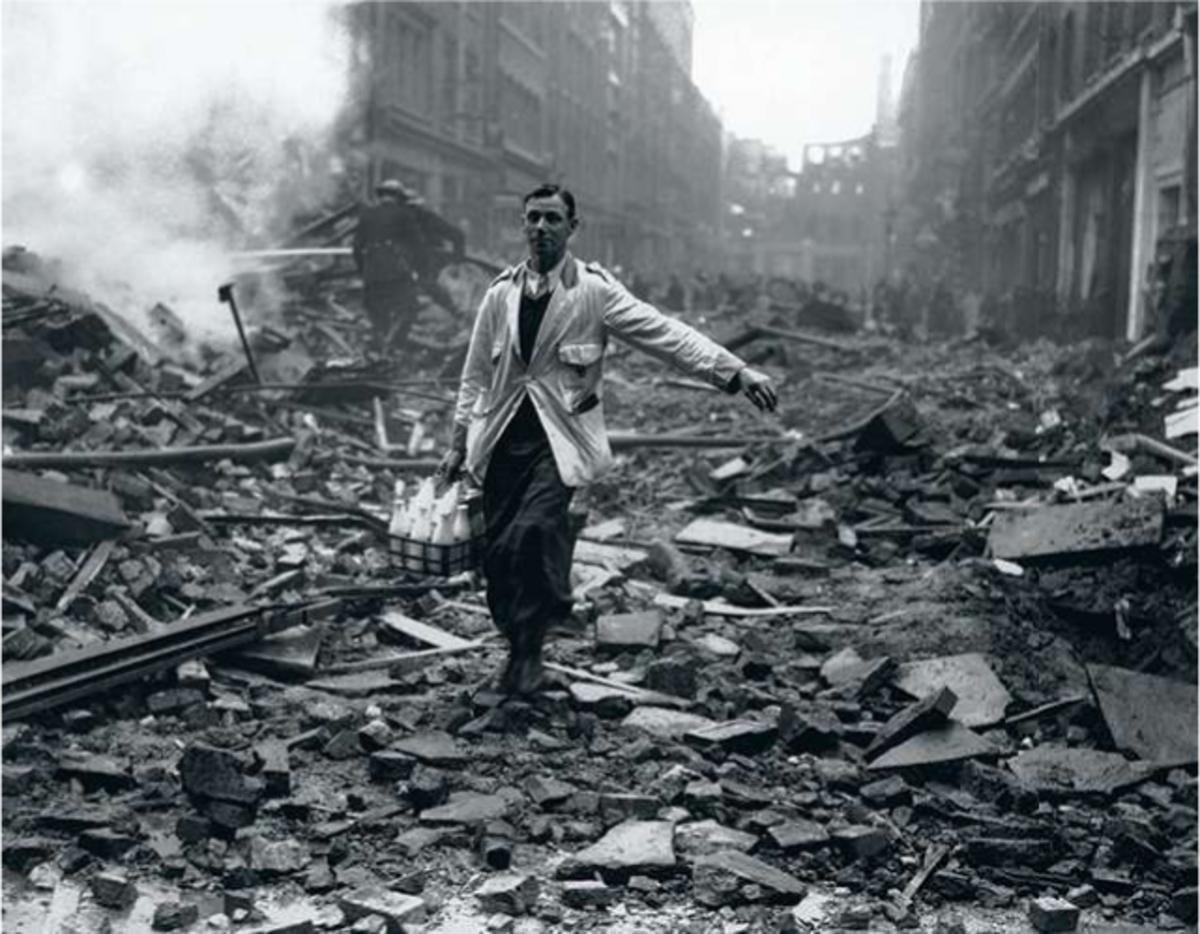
927 640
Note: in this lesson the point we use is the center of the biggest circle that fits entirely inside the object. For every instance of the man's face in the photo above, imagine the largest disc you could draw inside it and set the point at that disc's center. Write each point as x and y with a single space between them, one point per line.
547 229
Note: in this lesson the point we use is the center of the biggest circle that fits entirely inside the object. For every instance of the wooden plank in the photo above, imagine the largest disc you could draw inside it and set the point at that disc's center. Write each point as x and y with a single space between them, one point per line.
47 511
1183 422
982 698
274 449
719 534
87 572
609 556
218 379
1077 529
422 632
713 608
1152 717
406 659
639 695
1184 380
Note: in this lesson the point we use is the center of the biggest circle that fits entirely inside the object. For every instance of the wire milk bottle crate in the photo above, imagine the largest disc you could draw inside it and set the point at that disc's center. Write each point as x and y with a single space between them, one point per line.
436 536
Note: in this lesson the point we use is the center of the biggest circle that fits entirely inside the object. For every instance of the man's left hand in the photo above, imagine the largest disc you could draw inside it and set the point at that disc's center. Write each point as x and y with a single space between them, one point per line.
758 389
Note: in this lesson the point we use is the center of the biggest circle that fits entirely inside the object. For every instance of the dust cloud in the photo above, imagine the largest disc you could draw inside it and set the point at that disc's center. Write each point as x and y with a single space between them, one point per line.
144 141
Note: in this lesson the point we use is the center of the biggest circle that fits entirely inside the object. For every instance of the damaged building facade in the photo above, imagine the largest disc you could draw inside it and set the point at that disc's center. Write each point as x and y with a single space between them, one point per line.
473 104
830 222
1046 148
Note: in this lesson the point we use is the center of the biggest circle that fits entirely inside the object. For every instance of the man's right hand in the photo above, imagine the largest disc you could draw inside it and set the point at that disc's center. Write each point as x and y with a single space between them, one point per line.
450 467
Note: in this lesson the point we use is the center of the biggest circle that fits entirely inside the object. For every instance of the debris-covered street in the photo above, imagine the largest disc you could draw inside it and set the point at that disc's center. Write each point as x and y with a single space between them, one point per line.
917 650
900 652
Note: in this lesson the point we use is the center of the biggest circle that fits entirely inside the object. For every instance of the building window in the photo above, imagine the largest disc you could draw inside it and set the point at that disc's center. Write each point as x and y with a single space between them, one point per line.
1066 81
412 66
1168 207
521 111
449 104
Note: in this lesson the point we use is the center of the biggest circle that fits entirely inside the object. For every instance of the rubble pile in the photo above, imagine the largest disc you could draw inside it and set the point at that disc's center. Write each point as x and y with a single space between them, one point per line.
922 645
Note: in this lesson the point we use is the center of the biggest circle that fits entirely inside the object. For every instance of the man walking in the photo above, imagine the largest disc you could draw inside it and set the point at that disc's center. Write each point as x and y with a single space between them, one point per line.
384 246
529 422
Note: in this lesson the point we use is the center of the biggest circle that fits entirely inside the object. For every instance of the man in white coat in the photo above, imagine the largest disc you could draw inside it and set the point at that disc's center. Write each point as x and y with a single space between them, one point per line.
529 422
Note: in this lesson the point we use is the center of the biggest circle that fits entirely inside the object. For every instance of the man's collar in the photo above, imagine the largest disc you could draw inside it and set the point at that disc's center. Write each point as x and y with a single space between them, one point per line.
564 269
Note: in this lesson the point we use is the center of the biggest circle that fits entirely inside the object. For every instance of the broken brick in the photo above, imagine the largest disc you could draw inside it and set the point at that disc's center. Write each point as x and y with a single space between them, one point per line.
1051 914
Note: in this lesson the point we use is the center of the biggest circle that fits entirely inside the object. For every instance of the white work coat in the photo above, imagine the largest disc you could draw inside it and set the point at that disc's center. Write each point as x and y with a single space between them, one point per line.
564 378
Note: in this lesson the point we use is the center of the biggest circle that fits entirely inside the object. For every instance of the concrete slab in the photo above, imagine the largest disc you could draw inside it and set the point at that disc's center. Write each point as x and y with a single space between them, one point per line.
1059 769
949 742
982 698
1077 529
1152 717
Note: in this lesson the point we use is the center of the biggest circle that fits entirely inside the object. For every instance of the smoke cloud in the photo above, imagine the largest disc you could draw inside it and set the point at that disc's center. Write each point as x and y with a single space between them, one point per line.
143 141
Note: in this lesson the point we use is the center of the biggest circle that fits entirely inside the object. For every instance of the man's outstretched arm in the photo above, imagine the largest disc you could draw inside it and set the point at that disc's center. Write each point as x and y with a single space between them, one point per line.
649 330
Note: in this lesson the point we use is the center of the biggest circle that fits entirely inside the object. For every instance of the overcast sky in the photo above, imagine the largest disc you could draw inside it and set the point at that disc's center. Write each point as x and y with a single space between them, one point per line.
791 72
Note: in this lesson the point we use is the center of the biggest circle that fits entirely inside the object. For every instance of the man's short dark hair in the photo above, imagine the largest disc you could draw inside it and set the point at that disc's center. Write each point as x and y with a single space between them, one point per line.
549 190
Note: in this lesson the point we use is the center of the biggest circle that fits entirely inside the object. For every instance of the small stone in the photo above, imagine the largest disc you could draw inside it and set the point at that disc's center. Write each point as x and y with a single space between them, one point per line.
171 916
1083 896
815 729
227 817
698 838
1049 914
1183 904
388 765
855 918
839 775
370 924
663 722
718 645
106 843
798 835
275 768
18 779
547 791
217 773
511 893
745 737
397 908
345 744
113 890
96 771
643 884
173 700
375 735
673 676
426 788
434 748
729 877
588 894
319 878
193 828
278 857
615 808
72 859
499 924
23 853
467 808
629 630
861 841
888 792
413 841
